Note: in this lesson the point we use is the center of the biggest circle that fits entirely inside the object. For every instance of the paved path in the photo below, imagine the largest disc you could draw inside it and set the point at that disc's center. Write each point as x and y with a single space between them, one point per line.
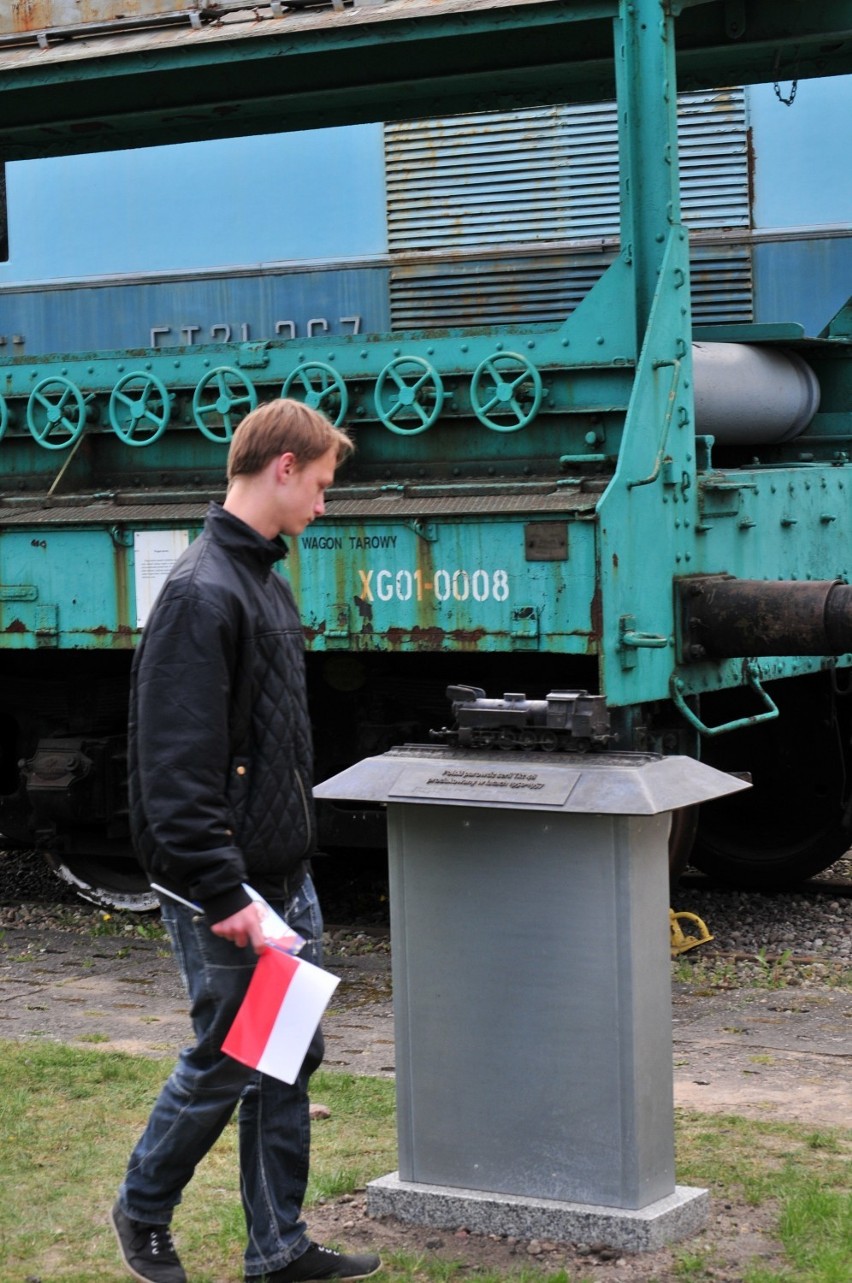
778 1054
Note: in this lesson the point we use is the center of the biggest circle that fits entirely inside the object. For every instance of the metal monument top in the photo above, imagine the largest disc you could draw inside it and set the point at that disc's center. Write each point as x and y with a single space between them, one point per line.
588 783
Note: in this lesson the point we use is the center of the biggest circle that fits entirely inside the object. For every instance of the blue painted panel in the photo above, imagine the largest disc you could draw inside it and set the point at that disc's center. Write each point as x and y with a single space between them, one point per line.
466 585
804 281
802 173
309 195
96 318
64 588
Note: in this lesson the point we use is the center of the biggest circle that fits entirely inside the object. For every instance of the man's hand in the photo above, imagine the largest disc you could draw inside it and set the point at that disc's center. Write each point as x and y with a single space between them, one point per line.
242 928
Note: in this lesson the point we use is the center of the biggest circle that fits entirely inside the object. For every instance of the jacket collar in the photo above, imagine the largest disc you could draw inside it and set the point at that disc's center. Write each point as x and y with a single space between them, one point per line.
241 539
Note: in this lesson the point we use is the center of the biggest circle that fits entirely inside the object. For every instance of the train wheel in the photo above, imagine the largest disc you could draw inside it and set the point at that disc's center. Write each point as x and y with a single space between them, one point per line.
792 823
112 884
681 840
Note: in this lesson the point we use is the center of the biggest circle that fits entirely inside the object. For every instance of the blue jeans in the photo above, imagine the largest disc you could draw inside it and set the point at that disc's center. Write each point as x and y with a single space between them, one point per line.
206 1086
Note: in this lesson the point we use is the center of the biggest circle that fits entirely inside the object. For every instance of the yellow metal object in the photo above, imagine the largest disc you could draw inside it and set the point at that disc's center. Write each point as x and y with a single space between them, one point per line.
680 942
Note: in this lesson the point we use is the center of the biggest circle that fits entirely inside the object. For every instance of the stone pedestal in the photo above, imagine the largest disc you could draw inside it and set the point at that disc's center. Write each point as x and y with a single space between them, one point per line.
531 976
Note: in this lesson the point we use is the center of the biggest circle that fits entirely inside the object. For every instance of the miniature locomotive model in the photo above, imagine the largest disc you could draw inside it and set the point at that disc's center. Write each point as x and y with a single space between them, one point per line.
571 720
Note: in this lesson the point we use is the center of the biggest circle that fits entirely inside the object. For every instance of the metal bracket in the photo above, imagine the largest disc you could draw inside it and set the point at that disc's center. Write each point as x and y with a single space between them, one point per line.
735 19
427 530
525 630
752 676
121 536
660 456
629 640
46 625
339 628
253 356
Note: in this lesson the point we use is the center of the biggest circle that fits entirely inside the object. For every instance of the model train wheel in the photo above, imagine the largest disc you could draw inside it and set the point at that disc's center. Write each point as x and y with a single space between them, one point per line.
111 883
792 823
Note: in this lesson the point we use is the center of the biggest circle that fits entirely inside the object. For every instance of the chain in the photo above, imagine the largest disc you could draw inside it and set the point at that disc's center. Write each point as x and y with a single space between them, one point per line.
791 97
794 84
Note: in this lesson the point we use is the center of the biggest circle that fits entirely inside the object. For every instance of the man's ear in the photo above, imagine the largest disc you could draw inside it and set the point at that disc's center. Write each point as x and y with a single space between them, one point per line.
285 465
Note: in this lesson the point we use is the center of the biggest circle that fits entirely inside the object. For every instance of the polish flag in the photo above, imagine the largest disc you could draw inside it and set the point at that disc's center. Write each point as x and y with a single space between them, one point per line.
279 1014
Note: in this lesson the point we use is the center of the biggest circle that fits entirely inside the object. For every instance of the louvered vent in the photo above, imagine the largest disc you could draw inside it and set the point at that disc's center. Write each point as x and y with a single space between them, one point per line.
477 185
544 288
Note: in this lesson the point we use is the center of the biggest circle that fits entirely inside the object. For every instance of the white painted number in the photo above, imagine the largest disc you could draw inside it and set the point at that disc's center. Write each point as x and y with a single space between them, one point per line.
458 585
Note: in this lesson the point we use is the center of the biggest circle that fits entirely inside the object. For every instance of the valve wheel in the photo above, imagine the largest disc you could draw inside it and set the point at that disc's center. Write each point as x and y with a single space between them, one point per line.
4 416
323 389
399 391
139 408
236 395
52 424
506 384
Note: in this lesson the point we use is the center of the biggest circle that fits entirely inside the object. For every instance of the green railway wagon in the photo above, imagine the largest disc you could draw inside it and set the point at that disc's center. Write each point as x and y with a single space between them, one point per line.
620 502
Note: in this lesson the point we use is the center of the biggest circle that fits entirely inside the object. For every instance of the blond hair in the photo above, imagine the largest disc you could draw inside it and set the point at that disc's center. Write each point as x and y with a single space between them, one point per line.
279 427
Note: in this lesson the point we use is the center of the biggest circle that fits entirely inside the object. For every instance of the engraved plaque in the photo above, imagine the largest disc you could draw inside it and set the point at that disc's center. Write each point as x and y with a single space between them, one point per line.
482 783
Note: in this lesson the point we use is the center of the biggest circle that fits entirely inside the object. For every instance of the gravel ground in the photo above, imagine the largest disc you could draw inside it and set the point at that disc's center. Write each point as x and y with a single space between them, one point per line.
802 938
797 938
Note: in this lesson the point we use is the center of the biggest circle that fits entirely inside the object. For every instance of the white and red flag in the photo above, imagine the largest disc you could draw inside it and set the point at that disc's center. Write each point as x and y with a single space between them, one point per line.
279 1015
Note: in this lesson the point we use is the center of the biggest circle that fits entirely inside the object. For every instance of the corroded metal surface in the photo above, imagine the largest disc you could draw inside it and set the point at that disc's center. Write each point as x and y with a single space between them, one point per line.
296 69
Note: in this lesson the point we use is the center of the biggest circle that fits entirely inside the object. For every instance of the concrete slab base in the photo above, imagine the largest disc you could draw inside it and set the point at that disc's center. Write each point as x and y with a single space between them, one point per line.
669 1219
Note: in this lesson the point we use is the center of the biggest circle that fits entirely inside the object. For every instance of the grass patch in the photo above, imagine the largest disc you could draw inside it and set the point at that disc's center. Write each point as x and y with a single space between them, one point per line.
70 1116
806 1176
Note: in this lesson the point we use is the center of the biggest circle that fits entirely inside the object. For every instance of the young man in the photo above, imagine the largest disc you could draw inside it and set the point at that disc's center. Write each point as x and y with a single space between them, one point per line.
220 775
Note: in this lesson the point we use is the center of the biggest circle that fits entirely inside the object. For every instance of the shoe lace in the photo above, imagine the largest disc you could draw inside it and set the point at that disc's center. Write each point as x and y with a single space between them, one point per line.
160 1241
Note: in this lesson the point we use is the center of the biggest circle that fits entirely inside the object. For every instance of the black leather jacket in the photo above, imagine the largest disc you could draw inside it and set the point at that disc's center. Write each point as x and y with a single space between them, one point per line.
220 760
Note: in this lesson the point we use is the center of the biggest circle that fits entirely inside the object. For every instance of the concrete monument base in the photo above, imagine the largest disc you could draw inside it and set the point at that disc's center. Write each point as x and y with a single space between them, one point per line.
669 1219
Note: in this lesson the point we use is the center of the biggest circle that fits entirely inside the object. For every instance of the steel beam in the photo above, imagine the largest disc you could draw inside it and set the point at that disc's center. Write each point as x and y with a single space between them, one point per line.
303 69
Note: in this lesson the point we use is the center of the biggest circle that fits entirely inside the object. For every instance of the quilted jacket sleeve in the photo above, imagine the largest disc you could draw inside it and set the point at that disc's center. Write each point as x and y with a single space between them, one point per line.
183 682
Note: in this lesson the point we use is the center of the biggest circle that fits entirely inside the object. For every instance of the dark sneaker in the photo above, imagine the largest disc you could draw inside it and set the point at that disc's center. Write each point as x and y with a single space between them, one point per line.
320 1263
148 1250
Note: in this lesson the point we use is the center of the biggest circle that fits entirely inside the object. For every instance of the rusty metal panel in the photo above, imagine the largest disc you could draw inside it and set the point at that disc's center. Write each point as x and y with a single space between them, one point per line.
65 588
542 174
714 159
96 514
23 16
722 283
486 179
494 291
566 499
394 584
549 177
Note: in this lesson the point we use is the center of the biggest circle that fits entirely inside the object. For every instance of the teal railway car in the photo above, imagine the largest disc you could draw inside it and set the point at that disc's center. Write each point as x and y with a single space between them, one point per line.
598 374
